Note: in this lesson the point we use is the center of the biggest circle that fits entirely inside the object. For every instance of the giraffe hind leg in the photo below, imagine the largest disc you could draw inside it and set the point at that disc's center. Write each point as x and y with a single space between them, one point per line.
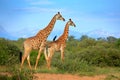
26 53
47 57
28 59
62 55
50 54
49 63
23 59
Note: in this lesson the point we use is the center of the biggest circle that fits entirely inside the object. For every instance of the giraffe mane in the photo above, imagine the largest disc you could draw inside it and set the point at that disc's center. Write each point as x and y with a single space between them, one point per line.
58 12
54 38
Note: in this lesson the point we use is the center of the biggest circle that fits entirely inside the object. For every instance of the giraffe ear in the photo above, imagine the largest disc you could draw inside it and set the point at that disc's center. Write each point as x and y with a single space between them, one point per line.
58 12
69 19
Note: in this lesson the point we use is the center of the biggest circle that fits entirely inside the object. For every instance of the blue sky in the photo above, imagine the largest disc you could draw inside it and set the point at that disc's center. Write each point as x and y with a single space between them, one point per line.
24 18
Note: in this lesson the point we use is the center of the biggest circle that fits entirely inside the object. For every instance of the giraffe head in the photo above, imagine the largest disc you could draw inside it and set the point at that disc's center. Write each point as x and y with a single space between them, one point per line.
59 17
71 23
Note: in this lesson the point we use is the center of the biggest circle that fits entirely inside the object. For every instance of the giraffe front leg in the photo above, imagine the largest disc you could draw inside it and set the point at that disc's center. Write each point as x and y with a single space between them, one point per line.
39 53
38 57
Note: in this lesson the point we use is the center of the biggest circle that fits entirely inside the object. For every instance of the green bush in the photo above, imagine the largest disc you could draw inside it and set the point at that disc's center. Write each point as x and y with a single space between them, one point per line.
33 57
101 57
25 74
9 53
84 54
71 65
80 54
5 78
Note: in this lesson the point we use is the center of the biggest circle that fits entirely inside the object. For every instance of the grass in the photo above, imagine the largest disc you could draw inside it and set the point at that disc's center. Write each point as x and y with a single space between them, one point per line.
101 71
113 77
112 73
44 69
15 73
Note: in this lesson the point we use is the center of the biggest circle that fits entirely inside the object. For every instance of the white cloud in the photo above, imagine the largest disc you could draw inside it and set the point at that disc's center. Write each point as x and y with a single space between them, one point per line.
38 9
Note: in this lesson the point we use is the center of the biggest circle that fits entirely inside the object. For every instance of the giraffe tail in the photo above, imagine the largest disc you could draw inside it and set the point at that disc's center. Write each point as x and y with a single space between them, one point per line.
20 56
54 38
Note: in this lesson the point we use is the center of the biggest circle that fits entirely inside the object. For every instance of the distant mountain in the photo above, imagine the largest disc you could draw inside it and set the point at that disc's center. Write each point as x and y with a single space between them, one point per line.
101 33
5 34
25 33
2 30
58 33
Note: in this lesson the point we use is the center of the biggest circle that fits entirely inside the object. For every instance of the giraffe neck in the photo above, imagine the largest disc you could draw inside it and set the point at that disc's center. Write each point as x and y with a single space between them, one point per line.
66 31
64 36
46 31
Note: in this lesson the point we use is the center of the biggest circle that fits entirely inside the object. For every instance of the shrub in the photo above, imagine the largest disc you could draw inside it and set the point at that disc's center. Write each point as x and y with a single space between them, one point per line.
9 53
99 56
33 57
71 65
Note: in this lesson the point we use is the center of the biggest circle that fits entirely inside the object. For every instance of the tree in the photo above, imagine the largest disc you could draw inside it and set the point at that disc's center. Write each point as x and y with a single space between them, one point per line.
111 39
118 43
71 38
83 37
101 39
9 53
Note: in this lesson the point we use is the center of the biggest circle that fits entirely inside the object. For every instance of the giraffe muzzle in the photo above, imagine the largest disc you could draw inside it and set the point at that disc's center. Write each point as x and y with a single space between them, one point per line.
74 25
63 19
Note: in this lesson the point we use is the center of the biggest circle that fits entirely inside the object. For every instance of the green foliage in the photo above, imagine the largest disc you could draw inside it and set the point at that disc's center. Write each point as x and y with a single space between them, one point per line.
95 52
80 55
33 57
13 73
111 39
19 43
84 37
112 77
118 43
25 74
103 57
72 66
5 77
83 54
9 53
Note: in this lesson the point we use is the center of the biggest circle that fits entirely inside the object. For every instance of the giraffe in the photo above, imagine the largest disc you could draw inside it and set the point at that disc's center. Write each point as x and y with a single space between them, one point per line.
38 41
58 45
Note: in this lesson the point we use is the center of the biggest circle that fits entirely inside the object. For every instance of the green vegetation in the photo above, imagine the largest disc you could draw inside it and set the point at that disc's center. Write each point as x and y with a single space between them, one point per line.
84 56
9 53
112 77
